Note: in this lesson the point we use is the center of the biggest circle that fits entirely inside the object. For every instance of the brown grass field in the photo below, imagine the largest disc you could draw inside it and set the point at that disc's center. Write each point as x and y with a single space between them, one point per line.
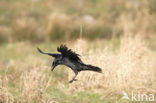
118 36
26 78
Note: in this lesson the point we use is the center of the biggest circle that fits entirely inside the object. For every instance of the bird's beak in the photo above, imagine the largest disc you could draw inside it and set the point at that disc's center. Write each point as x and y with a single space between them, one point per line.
53 67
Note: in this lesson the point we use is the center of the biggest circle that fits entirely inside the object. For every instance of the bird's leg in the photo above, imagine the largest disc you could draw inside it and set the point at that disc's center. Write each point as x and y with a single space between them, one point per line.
76 73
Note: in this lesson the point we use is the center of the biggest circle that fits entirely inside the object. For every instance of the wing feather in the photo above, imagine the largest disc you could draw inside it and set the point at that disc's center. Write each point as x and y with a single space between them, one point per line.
50 54
68 53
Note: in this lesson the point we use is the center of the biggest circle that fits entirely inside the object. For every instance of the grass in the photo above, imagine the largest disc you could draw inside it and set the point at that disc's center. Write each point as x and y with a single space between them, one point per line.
25 74
10 56
55 20
126 53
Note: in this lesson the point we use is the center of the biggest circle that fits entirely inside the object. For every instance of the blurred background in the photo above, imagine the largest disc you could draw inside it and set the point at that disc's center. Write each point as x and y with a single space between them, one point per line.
54 20
118 36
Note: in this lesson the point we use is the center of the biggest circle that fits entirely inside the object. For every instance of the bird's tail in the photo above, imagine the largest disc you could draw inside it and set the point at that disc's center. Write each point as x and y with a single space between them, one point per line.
92 68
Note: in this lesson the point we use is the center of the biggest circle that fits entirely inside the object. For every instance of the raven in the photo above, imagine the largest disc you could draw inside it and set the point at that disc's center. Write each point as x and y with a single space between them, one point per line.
71 60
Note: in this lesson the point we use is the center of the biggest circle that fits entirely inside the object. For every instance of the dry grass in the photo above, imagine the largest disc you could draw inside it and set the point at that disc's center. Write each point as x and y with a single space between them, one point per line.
55 20
5 96
25 82
33 87
26 76
131 68
125 58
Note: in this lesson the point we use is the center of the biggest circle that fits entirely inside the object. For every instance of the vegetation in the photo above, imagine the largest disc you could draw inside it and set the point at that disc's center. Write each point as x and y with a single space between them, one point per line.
26 76
115 35
38 20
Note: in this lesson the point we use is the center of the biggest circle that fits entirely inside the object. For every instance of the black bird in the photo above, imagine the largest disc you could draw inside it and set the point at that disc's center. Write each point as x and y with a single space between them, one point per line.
71 60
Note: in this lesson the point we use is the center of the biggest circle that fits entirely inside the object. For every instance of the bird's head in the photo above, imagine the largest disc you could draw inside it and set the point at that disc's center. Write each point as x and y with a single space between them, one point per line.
56 62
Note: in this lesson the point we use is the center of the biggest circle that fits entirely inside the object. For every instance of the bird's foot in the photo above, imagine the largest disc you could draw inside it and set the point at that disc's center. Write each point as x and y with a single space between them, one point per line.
72 80
75 80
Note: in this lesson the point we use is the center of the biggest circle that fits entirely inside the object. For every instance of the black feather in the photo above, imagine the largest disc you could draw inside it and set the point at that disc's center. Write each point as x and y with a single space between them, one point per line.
71 60
50 54
68 53
91 68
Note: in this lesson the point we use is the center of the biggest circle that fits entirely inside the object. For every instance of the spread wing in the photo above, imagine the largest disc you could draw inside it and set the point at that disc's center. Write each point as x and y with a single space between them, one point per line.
50 54
68 53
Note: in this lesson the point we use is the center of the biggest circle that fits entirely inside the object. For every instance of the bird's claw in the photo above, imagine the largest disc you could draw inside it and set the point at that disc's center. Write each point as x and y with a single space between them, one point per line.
72 80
